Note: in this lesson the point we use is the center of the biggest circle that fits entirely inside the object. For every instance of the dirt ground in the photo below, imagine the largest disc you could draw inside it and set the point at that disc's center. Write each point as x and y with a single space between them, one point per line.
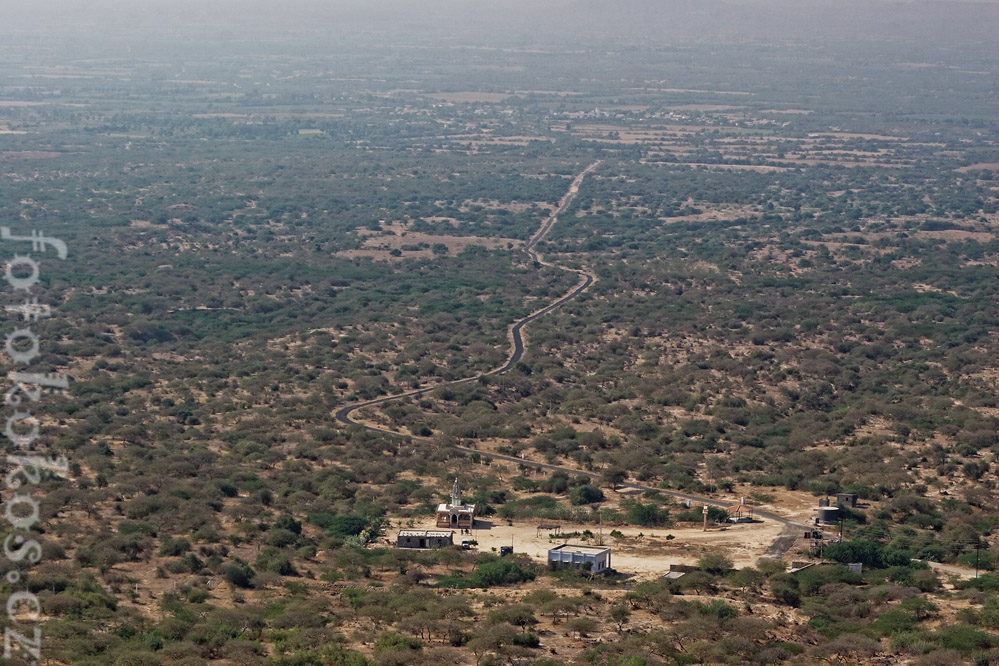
646 557
379 244
470 96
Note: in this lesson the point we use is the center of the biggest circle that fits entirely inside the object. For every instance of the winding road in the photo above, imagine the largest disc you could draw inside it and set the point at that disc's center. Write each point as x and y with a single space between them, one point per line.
515 332
515 335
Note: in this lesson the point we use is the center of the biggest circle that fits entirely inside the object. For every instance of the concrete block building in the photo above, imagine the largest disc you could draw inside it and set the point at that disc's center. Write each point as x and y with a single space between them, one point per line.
595 559
424 538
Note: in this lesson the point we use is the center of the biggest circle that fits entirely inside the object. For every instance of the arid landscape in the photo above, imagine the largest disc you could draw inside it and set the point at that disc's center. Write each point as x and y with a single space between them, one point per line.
670 279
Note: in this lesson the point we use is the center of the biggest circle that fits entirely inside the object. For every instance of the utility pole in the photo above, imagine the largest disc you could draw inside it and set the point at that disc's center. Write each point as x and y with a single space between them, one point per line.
705 514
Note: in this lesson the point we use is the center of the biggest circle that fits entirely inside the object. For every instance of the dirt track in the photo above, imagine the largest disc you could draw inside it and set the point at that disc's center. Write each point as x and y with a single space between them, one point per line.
774 521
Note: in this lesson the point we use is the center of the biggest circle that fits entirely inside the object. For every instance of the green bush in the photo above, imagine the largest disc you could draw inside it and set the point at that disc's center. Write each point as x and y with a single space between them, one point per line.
390 641
238 576
811 580
175 547
499 572
286 522
585 494
527 639
647 515
271 559
715 514
715 564
715 608
895 621
131 528
340 526
869 553
964 638
785 589
986 582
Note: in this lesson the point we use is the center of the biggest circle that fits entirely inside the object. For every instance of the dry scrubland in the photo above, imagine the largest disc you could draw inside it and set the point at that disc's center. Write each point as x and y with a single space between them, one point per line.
795 247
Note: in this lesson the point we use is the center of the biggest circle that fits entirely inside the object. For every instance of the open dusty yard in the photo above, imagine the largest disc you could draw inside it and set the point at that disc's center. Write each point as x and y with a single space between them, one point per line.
646 556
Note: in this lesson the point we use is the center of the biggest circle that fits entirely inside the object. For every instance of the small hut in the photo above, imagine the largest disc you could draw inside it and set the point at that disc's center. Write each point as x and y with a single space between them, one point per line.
740 513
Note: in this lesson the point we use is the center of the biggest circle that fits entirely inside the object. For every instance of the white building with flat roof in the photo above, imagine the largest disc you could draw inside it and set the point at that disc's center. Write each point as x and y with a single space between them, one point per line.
595 559
424 538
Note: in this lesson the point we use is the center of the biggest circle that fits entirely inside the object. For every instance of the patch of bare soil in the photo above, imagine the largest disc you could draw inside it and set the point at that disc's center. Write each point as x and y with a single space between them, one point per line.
645 552
704 107
797 112
737 167
957 235
470 96
693 90
395 236
981 166
560 93
7 155
854 135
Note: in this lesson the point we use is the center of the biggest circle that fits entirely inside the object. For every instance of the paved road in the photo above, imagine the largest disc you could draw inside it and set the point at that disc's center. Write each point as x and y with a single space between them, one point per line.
952 570
516 352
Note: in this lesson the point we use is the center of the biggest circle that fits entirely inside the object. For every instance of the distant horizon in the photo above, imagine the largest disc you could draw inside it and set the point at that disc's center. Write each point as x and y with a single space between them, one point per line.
969 23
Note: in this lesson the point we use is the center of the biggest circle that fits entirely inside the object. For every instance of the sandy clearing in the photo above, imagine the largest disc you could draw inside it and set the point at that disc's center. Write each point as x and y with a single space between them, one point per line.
648 556
559 93
394 236
981 166
27 154
704 107
734 167
957 234
694 90
857 135
470 96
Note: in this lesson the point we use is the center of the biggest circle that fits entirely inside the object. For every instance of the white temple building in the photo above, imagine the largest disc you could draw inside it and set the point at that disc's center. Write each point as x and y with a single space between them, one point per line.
456 513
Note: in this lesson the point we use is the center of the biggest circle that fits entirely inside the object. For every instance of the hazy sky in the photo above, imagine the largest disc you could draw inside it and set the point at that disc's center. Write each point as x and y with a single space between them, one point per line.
963 23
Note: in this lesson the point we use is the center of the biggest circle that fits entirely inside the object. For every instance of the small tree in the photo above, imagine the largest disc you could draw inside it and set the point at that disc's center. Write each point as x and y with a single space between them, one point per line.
715 563
620 614
613 476
583 626
747 579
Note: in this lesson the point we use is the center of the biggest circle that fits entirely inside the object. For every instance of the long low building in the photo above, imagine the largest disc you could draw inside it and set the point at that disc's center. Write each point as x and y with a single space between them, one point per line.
425 538
595 559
